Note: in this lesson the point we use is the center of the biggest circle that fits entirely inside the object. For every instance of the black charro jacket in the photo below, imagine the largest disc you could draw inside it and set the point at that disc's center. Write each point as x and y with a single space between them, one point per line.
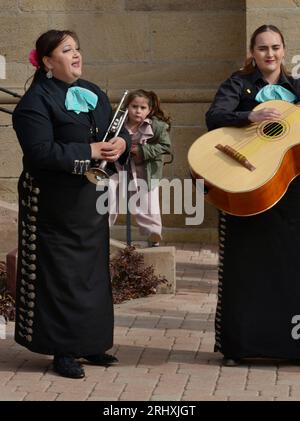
55 141
235 98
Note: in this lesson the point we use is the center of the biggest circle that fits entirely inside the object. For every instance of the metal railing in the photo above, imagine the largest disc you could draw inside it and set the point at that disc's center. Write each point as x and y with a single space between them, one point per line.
9 92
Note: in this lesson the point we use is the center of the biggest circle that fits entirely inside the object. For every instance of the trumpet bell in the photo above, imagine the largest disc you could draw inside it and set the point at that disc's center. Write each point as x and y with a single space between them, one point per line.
96 175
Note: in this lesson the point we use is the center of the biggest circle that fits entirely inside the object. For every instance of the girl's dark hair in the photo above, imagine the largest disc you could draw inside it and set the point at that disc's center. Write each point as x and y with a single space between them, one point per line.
46 43
248 66
154 104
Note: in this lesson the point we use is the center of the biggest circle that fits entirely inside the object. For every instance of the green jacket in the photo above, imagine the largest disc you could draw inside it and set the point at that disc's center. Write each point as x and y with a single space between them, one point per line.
155 148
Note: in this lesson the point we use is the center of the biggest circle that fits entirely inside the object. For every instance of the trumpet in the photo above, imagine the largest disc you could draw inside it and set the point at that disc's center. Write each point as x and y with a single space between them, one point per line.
98 172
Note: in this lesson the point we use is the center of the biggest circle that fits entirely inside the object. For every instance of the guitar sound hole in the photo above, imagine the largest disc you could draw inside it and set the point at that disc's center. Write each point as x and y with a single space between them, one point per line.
273 130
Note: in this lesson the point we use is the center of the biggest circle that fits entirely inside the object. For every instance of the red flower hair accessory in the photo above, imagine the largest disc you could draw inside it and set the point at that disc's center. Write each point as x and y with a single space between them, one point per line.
33 58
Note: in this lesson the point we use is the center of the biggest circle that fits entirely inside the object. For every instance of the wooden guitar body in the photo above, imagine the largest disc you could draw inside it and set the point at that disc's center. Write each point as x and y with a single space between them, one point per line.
247 170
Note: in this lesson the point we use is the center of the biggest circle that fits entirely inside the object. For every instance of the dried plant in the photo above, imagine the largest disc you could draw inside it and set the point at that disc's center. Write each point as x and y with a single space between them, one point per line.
7 303
130 278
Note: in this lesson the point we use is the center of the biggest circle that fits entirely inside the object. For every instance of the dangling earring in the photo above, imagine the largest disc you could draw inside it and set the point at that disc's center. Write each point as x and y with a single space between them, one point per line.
253 62
49 74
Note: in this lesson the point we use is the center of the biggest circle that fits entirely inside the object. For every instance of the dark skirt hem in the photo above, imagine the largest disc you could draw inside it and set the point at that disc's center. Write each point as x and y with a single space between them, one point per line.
90 350
268 355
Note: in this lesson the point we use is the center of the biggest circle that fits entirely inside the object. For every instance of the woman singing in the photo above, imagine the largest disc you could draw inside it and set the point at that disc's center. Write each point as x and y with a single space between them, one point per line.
64 298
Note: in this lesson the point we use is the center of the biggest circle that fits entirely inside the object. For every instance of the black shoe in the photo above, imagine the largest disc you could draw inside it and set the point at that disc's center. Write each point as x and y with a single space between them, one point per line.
68 367
230 362
102 359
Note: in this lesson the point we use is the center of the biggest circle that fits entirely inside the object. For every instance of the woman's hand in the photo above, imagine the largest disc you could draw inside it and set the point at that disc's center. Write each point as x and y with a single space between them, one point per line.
264 114
109 151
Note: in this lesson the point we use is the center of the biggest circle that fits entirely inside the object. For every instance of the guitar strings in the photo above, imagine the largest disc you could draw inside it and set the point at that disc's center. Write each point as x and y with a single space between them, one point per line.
254 142
273 131
260 142
254 128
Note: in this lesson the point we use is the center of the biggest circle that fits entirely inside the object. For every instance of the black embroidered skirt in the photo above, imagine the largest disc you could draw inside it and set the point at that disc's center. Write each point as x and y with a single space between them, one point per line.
64 300
259 282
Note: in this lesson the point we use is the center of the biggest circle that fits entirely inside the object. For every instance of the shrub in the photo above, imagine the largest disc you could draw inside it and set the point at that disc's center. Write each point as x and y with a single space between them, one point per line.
7 303
130 278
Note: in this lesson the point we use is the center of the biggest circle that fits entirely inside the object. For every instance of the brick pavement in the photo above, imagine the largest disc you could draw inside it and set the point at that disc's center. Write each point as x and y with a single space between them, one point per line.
165 347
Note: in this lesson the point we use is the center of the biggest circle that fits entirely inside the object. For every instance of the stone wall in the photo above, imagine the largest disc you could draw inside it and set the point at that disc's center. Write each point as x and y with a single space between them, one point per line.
180 49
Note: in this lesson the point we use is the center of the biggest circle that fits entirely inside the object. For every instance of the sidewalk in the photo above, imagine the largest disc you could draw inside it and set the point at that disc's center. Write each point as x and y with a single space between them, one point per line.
165 347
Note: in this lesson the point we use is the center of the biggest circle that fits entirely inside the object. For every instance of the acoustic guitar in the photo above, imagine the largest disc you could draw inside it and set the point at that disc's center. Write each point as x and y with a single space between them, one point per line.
246 170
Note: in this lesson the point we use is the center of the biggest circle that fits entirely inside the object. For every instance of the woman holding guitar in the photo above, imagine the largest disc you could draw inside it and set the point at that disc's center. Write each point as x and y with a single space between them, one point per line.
259 271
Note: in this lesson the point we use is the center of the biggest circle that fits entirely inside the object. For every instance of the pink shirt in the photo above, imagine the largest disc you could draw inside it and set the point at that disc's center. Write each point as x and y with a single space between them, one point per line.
143 133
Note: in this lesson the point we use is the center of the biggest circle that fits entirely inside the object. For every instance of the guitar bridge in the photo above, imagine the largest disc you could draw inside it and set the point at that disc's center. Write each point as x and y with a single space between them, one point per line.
237 156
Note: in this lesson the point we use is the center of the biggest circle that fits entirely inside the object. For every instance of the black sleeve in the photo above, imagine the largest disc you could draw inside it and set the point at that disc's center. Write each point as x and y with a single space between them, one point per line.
33 126
223 110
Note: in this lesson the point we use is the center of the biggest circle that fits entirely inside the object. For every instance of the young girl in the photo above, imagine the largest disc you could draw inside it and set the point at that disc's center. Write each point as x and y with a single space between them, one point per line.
148 127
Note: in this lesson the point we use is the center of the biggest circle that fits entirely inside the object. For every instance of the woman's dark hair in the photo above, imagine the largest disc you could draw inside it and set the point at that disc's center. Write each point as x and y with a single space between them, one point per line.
153 102
46 43
248 65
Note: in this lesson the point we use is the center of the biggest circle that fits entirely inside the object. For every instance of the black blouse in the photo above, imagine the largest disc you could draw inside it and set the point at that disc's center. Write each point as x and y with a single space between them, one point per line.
235 98
55 140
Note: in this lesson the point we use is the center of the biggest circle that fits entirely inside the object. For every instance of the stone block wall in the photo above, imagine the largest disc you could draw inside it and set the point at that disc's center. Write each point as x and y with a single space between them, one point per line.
180 49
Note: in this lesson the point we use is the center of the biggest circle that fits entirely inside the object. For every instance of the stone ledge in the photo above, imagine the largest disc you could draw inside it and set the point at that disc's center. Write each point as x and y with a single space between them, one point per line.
187 5
184 95
172 235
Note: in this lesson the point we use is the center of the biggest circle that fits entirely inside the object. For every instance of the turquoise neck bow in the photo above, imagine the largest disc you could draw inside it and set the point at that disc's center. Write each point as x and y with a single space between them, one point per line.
270 92
80 100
